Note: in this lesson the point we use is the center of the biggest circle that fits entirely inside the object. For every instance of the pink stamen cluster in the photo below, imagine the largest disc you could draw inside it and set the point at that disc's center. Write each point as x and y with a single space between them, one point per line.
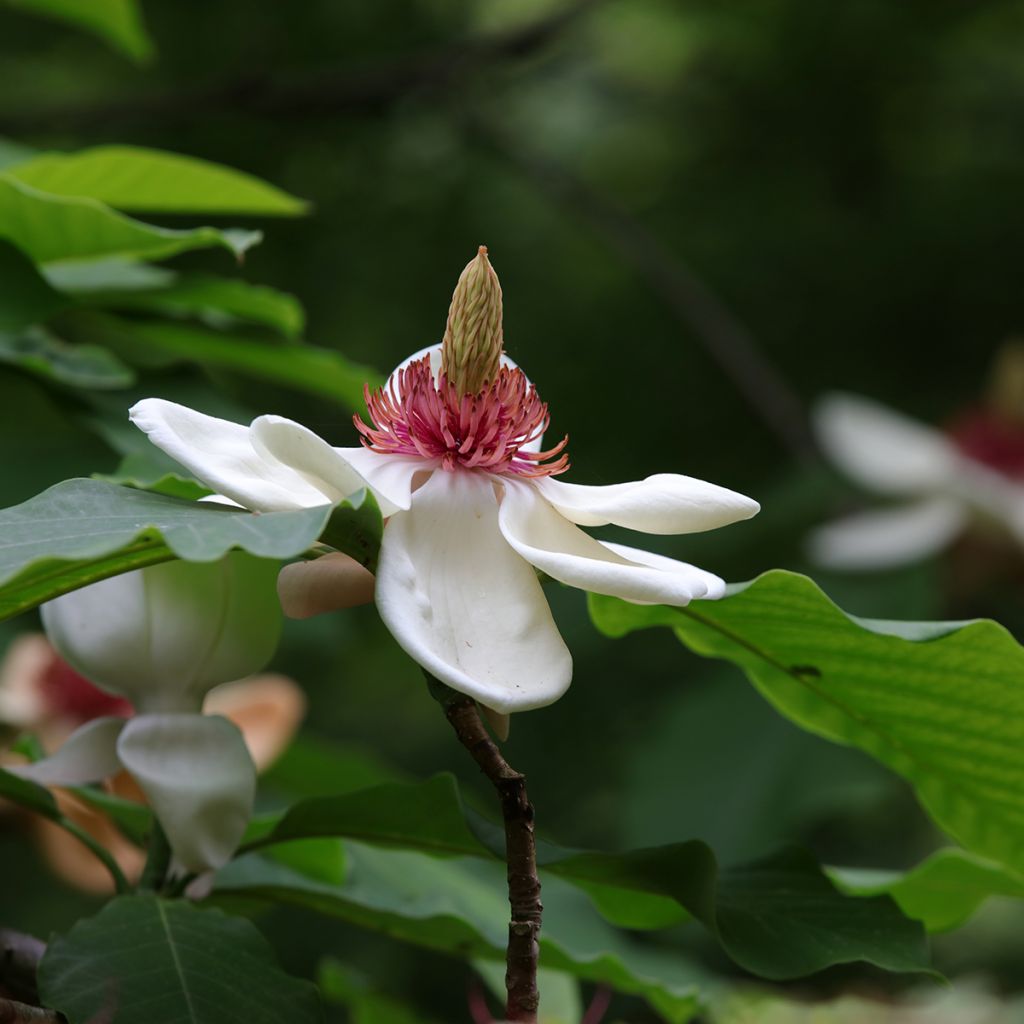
415 415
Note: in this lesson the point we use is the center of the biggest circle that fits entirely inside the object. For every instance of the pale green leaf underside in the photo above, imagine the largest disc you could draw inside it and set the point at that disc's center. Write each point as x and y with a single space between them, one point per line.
52 228
154 181
942 704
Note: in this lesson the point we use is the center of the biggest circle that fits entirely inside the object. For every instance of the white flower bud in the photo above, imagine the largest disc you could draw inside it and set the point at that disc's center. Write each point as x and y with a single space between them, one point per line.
164 635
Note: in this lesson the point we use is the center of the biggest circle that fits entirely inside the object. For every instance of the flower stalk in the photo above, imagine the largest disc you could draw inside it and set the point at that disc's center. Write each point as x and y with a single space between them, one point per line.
523 997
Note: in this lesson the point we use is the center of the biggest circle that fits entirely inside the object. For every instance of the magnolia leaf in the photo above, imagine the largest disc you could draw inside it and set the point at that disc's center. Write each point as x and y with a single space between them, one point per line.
28 794
81 531
779 917
940 703
118 22
78 366
52 228
169 962
136 179
459 906
25 296
941 892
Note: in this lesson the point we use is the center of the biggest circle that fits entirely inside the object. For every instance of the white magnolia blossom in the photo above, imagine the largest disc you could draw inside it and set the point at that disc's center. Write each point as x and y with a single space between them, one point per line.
473 511
162 637
937 491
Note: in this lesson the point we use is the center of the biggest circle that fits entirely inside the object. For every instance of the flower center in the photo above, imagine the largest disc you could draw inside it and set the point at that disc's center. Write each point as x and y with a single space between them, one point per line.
414 415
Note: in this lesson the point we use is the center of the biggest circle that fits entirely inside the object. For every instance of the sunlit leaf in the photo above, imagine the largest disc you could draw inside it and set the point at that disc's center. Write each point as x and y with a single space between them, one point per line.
941 704
169 962
52 228
154 181
118 22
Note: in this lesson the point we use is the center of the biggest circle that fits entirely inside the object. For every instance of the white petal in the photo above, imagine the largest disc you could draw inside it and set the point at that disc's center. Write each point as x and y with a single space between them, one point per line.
715 584
463 604
663 503
390 477
549 541
199 779
23 670
883 450
883 538
277 439
220 453
87 755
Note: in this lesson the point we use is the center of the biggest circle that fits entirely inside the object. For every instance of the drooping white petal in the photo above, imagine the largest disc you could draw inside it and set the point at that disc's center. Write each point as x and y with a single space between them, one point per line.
199 779
883 538
883 450
463 604
715 584
390 477
277 439
87 755
549 541
221 454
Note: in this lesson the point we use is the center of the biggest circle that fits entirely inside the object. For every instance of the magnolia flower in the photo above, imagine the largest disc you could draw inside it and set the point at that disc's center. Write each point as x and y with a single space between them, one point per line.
472 504
942 483
41 694
161 637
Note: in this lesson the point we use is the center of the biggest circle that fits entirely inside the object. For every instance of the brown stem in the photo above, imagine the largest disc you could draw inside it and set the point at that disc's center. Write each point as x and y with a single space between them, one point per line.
19 961
520 854
12 1012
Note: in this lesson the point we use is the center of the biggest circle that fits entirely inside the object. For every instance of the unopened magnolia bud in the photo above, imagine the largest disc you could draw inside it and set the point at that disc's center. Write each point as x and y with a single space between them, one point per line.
471 349
164 635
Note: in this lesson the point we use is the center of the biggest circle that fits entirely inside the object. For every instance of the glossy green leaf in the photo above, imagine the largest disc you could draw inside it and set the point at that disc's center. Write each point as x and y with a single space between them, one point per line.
779 916
941 892
52 228
117 22
459 906
25 296
79 366
170 962
81 531
941 704
154 181
28 794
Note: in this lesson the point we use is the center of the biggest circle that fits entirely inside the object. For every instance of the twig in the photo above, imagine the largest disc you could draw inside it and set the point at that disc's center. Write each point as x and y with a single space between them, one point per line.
694 304
327 92
19 961
12 1012
520 855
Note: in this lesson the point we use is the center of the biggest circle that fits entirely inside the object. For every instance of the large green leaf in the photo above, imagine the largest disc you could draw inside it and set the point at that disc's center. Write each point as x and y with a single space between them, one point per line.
942 892
170 962
118 22
79 366
52 228
81 531
458 906
319 371
153 181
25 296
942 704
779 916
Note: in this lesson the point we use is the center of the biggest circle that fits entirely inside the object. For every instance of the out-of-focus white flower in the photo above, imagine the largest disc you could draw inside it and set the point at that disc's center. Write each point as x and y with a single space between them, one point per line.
162 637
473 509
938 483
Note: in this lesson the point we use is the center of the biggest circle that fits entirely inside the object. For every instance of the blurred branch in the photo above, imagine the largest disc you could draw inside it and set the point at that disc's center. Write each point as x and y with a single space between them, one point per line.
12 1012
327 92
724 337
20 955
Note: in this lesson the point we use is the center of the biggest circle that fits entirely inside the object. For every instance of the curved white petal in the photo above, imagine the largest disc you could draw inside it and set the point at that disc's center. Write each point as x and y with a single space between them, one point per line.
883 538
87 755
281 440
715 585
664 503
390 477
883 450
549 541
463 604
198 777
220 453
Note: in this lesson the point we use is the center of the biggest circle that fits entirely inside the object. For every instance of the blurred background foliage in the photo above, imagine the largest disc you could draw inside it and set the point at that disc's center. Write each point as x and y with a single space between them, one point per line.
703 216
